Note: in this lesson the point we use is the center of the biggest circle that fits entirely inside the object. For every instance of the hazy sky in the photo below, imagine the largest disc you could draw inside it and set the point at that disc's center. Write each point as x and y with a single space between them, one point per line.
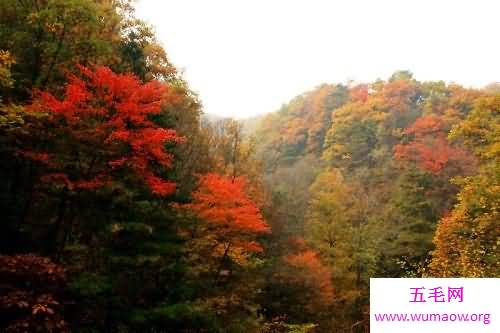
247 57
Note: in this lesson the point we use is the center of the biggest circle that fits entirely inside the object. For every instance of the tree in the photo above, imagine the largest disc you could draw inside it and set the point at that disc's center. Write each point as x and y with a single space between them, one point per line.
299 288
339 228
314 277
298 129
467 239
6 62
401 75
102 126
352 138
49 38
142 54
31 291
46 36
430 148
230 223
222 226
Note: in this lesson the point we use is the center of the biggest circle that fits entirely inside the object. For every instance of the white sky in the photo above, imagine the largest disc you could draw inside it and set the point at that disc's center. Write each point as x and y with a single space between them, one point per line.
247 57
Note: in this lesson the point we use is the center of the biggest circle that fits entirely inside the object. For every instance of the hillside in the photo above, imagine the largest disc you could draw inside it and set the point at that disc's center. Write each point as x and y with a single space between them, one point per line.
125 208
378 178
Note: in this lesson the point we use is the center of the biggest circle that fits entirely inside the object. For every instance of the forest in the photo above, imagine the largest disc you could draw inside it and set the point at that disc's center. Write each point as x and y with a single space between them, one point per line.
125 208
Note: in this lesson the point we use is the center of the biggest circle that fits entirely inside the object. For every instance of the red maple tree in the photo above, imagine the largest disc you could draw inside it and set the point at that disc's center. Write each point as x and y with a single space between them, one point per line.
222 202
308 274
429 148
101 126
230 222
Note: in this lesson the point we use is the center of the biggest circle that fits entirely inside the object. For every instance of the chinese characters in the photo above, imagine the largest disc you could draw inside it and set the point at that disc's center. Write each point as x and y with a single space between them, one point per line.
436 295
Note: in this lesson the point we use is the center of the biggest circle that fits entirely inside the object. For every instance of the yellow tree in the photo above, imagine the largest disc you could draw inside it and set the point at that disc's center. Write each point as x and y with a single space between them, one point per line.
467 240
337 226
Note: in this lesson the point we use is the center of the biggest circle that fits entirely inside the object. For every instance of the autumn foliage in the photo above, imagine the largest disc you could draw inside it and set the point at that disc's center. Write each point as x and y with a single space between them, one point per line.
313 275
30 286
142 214
223 204
467 239
104 124
429 149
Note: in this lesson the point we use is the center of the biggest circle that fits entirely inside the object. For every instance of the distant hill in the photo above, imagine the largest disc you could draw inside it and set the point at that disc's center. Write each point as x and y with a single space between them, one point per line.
211 118
299 127
250 125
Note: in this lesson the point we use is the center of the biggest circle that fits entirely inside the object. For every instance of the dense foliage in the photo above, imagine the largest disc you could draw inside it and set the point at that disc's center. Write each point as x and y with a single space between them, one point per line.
124 210
404 183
